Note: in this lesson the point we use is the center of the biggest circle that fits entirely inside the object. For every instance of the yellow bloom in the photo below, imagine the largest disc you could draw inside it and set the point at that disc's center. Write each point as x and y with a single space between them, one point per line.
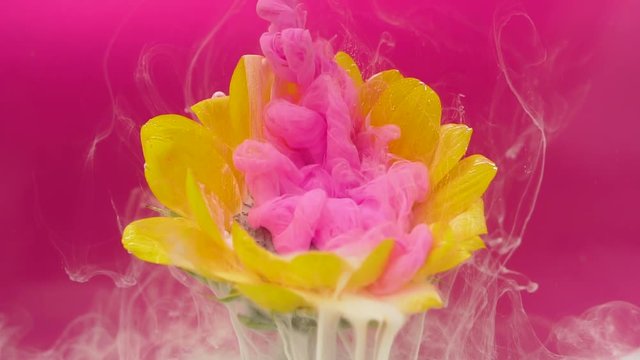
189 169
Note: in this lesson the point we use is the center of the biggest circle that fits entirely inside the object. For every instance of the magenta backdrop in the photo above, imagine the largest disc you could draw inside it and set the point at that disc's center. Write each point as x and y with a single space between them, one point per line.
73 99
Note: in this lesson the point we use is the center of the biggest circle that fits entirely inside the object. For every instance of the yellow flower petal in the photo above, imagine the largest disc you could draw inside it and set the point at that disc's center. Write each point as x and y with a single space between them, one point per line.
272 297
448 255
178 241
464 184
471 222
415 109
346 62
453 243
249 92
213 113
374 87
310 270
201 210
142 239
415 298
472 243
444 257
172 144
444 254
453 143
372 266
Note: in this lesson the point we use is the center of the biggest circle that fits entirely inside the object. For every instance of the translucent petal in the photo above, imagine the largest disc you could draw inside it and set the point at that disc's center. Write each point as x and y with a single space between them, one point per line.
372 266
178 241
272 297
172 144
249 92
452 145
346 62
374 87
415 298
415 109
310 270
464 184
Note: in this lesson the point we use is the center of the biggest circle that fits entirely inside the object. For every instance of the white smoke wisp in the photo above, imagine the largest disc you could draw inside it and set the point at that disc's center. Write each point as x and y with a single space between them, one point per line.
158 318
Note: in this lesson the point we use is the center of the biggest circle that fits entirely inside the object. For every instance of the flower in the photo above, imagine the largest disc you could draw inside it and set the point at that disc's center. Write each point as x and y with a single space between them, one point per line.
307 183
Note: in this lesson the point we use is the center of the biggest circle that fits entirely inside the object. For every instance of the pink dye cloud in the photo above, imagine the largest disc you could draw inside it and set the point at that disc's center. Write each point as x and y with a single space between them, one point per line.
324 180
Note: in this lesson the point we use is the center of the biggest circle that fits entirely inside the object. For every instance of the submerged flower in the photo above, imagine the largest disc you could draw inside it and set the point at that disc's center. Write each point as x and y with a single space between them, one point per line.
307 183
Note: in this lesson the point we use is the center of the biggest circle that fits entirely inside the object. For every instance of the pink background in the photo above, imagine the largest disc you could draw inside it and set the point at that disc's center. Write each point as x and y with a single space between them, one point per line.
72 103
